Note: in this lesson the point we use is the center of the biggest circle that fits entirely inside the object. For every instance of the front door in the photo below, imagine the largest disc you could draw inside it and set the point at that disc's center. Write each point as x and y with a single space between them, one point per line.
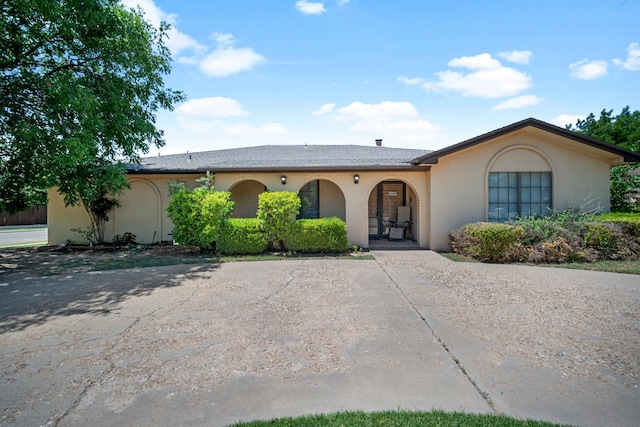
383 206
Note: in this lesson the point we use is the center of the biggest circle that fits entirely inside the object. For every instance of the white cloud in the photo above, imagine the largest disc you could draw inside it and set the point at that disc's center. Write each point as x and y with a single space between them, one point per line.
397 121
227 60
484 61
342 2
204 115
488 78
310 8
177 41
518 102
325 109
224 61
212 107
494 83
410 81
517 56
566 119
588 70
632 62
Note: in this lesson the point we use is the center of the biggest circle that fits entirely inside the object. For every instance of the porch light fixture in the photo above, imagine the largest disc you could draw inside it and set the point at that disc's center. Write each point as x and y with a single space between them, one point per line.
356 178
283 179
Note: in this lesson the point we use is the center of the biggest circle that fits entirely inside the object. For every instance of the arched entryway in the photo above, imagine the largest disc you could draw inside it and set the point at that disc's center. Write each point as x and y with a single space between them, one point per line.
139 212
384 200
245 196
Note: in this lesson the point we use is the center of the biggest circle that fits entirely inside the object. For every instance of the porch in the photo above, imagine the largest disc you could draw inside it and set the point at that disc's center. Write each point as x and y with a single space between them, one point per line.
387 245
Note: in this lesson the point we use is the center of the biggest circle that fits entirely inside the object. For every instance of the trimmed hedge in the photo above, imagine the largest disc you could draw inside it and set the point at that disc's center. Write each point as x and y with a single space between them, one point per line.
319 235
240 236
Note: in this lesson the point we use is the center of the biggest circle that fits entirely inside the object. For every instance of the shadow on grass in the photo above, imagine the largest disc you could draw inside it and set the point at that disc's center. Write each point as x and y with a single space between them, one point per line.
34 301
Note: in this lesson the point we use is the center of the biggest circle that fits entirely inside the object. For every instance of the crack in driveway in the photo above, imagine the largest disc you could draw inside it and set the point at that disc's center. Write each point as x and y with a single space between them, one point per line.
485 396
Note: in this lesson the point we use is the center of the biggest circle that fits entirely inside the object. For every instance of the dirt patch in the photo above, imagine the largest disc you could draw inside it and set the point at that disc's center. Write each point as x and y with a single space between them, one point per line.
52 260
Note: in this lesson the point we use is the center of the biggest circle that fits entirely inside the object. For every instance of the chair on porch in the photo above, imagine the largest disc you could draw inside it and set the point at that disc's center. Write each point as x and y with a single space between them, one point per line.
402 225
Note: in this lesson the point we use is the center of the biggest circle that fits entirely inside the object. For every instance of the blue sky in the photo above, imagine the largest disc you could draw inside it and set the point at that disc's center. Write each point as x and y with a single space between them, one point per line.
418 74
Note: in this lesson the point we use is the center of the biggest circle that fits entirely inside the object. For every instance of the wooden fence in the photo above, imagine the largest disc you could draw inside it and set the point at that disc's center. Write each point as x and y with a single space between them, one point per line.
31 217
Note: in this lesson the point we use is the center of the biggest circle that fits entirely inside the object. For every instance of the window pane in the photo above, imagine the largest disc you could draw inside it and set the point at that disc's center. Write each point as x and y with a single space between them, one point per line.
525 179
502 213
513 210
546 179
493 179
535 179
535 194
493 195
525 195
525 210
503 179
546 195
513 195
493 212
503 195
535 209
513 179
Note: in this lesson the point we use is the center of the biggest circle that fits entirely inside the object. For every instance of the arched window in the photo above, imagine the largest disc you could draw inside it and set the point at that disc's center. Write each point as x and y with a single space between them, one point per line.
519 194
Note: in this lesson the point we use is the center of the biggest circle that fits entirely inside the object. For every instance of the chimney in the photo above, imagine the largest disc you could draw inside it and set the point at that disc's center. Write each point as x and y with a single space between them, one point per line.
378 143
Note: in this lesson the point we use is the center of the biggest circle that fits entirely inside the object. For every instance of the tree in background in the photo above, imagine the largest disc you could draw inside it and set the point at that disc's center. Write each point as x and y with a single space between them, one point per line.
81 83
622 130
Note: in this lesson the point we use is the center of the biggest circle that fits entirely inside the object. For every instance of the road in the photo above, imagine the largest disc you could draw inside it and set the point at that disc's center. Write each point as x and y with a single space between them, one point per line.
22 236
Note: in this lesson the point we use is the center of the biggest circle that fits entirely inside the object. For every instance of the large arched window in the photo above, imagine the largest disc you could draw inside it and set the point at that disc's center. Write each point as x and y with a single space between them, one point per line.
519 194
310 199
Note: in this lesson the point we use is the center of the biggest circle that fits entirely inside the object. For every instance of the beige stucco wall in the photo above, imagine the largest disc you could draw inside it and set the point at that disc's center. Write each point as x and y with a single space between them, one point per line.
458 183
245 196
332 201
143 210
355 195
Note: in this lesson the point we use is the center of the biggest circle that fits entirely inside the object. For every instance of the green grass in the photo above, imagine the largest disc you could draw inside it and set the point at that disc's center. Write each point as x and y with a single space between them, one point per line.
399 419
24 245
627 267
618 216
457 257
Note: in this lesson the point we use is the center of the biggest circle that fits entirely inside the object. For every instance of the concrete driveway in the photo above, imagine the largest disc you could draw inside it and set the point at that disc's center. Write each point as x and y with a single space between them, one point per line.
211 345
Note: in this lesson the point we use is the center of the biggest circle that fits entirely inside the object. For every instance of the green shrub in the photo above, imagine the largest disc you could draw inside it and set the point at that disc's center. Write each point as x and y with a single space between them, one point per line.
489 242
197 216
240 236
603 237
319 235
278 211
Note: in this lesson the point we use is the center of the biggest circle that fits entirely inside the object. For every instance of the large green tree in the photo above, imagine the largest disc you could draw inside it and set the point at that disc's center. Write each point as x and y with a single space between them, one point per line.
622 130
81 82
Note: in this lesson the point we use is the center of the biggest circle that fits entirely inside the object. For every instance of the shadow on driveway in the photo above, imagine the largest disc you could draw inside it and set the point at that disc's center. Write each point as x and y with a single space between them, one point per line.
34 301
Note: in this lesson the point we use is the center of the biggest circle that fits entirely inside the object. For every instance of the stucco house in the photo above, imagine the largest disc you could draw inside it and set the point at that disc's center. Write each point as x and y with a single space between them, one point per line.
529 167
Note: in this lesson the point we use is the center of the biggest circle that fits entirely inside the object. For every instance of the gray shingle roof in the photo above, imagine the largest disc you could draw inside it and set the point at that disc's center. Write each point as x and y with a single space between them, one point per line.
282 157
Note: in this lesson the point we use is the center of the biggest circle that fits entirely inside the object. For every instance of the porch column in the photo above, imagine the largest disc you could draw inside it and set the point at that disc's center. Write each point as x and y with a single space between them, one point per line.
356 199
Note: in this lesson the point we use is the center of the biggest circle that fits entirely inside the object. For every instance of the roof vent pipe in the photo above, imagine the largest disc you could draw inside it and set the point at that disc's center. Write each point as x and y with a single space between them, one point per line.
378 143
